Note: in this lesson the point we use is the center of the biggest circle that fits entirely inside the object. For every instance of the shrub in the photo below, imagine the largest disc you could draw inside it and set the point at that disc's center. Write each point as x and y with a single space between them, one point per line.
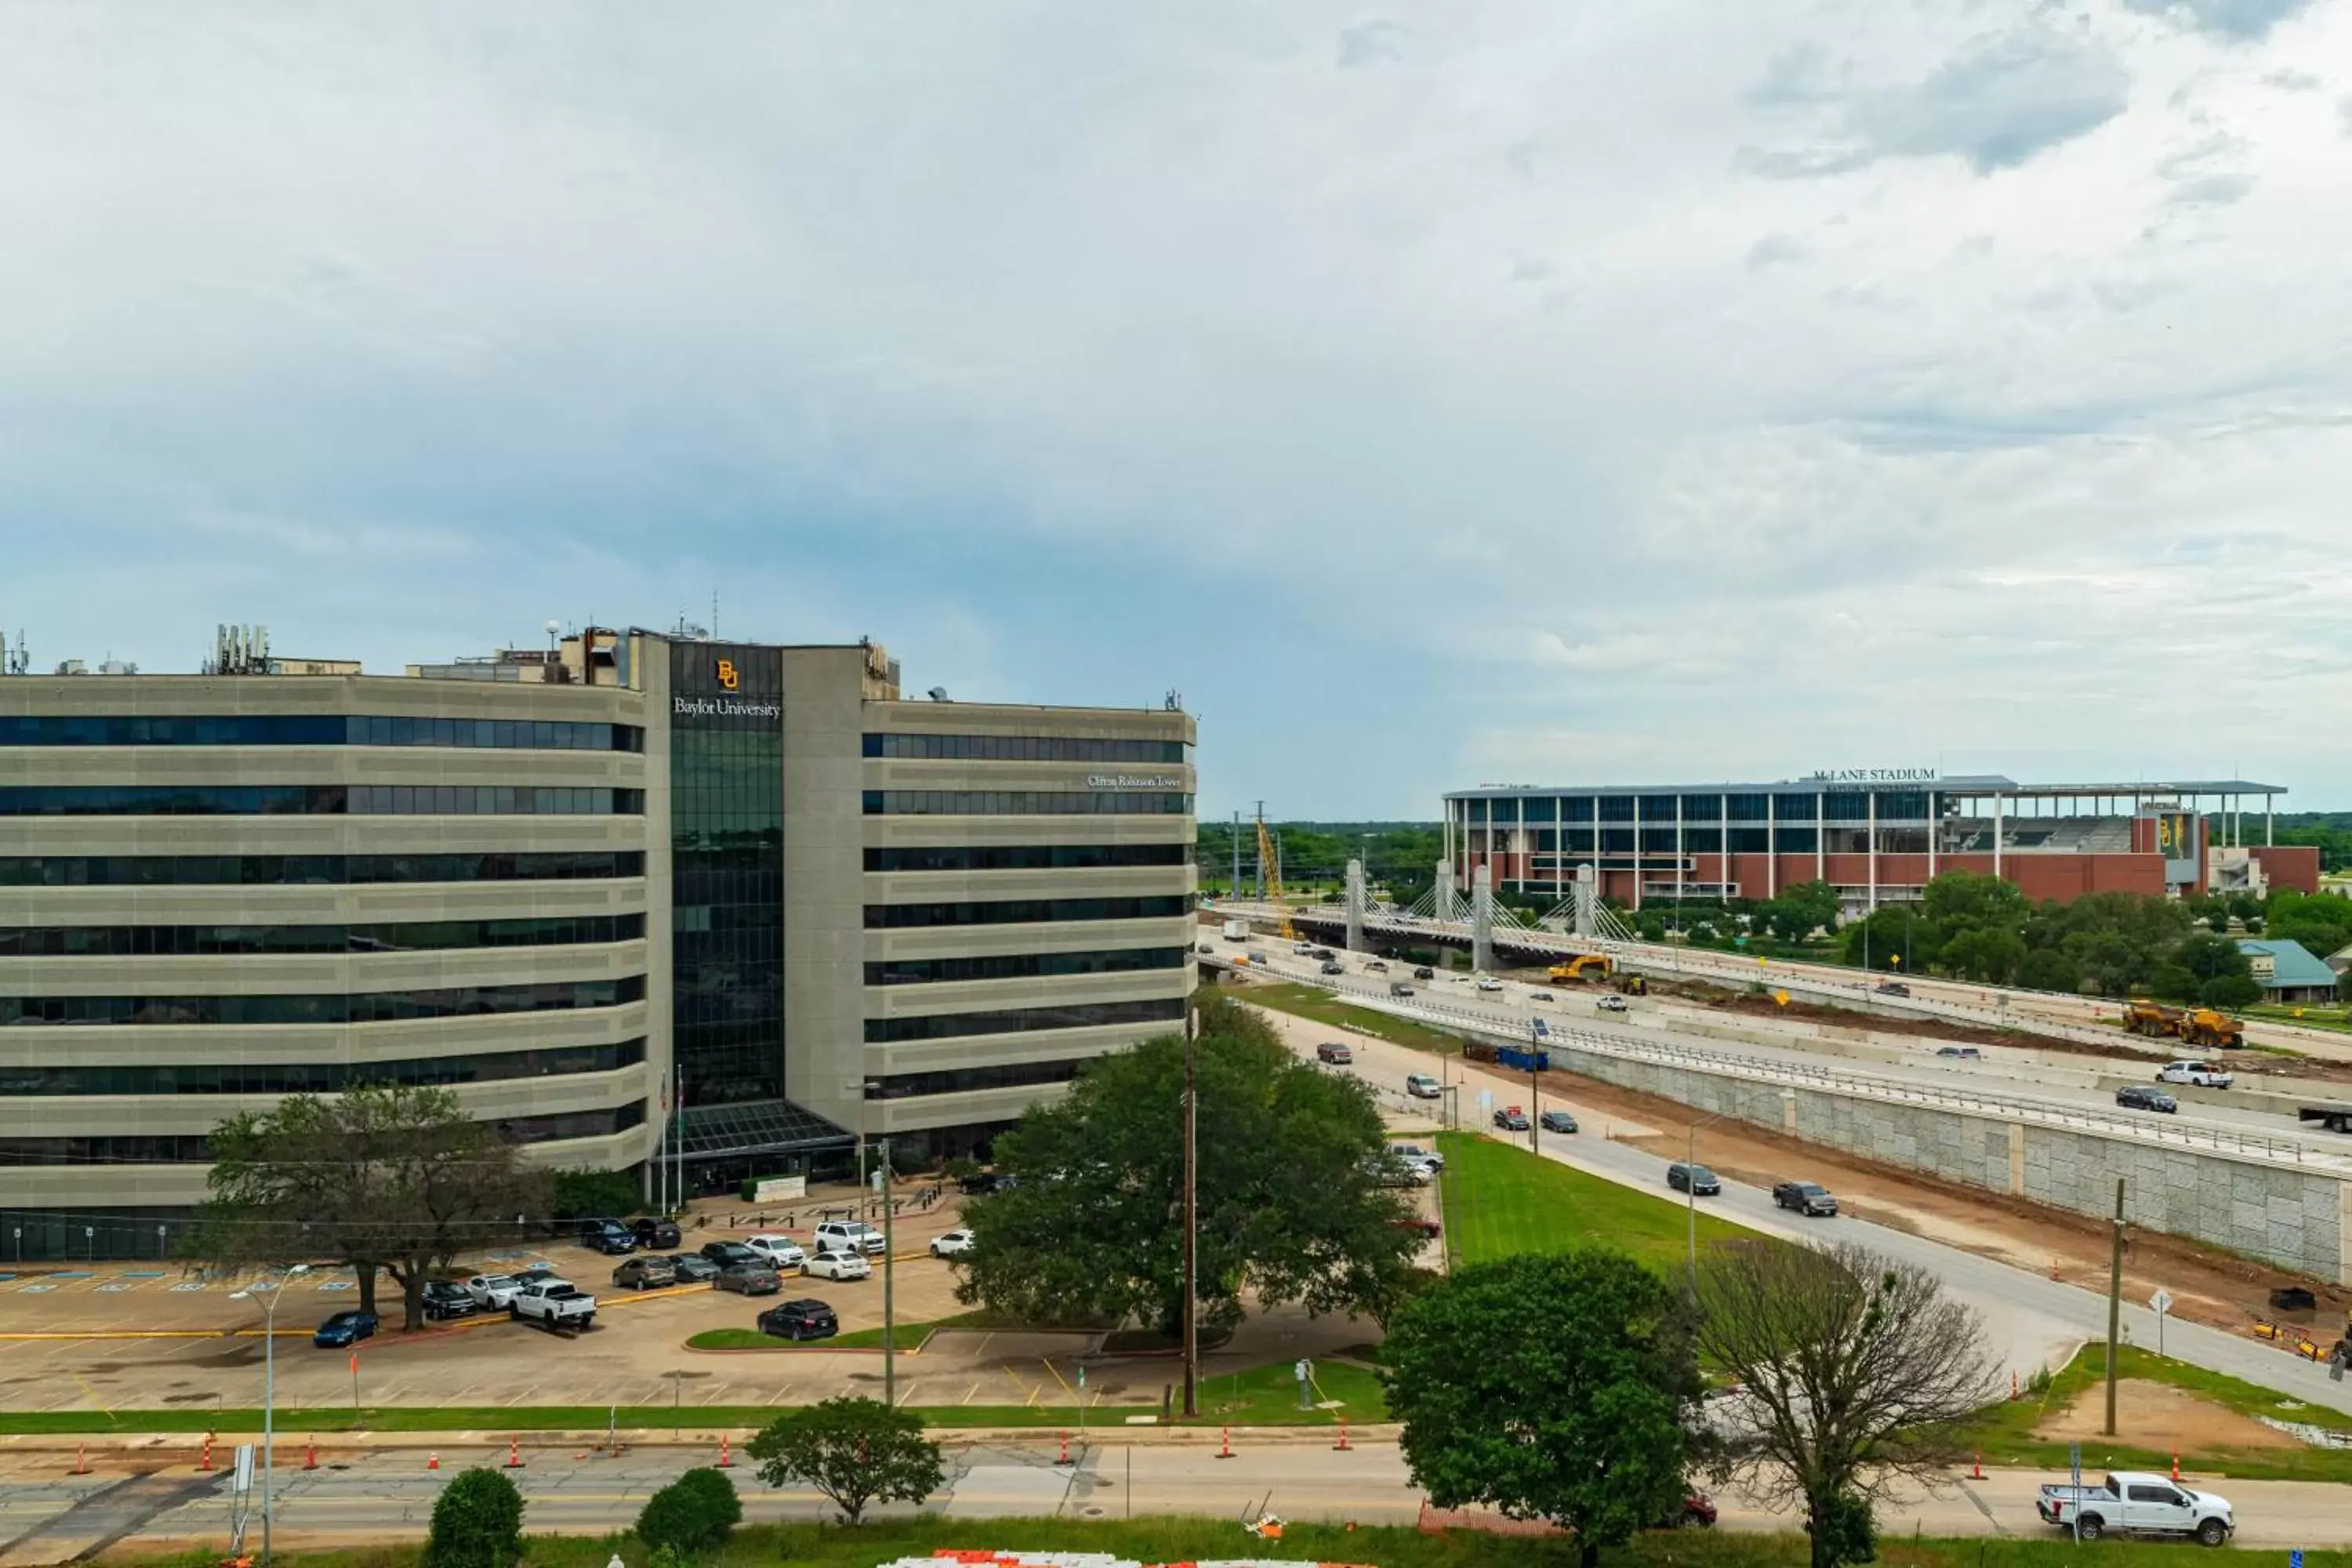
2230 991
691 1514
477 1523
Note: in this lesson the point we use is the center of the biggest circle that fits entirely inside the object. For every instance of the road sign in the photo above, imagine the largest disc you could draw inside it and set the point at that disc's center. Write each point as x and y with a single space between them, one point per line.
2161 1302
2295 1558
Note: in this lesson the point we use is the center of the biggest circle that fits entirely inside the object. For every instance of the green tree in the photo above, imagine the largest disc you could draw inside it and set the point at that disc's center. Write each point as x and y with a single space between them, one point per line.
693 1513
577 1192
477 1523
1288 1207
857 1452
1958 899
1857 1374
1796 913
2048 970
390 1176
1560 1387
2209 957
2174 982
2229 992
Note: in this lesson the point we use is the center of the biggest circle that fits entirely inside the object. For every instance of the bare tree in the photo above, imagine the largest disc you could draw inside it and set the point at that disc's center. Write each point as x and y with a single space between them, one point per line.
1855 1373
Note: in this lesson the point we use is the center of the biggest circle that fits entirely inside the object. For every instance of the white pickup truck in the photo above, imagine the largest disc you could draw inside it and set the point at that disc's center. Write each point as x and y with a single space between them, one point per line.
2200 1074
2144 1503
554 1304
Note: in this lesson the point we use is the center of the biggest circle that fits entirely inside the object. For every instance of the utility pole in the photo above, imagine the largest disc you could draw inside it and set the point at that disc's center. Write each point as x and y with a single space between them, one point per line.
889 1278
1235 890
1535 1096
1191 1218
2115 1304
1261 852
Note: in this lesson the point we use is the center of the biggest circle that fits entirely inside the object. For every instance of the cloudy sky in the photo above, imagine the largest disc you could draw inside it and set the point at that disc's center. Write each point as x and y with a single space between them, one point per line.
1496 390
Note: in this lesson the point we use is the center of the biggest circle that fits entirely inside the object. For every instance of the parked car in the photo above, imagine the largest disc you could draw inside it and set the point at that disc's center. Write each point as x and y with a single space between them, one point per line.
554 1304
1960 1053
492 1291
778 1251
1488 982
345 1328
1418 1155
954 1244
1511 1119
1419 1224
1557 1121
1333 966
525 1279
1698 1512
804 1320
1421 1085
609 1236
1611 1002
2140 1502
757 1278
692 1267
1422 972
2138 1097
840 1265
1334 1054
1696 1180
726 1254
444 1299
1392 1170
2202 1075
656 1234
1806 1198
646 1273
848 1236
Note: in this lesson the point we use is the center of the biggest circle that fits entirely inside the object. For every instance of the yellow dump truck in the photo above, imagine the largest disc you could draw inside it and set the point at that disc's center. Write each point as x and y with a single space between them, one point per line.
2193 1026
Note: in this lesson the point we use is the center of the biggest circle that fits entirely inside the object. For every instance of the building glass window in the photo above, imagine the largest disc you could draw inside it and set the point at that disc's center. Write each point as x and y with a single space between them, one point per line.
1617 840
1749 807
310 870
308 800
1846 806
1022 1020
1902 805
404 936
318 730
727 868
1796 840
1703 840
1658 840
1795 808
1750 840
965 1080
1576 808
1657 808
321 1077
1023 965
1703 807
330 1007
1023 803
1616 809
1541 808
1024 749
1027 858
1021 912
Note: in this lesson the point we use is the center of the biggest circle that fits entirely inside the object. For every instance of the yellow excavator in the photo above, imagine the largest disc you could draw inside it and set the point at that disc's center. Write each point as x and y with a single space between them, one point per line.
1583 966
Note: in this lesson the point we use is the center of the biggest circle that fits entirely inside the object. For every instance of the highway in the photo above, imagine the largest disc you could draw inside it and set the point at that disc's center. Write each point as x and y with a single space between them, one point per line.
2031 1322
2086 1019
2025 1083
385 1493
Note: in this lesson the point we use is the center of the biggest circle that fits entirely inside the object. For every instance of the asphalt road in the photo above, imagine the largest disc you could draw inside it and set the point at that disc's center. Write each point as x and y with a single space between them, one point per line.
2031 1320
387 1493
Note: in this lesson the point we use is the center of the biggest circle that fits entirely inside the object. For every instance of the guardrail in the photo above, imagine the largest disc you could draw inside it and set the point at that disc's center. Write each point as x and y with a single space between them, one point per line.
2170 1133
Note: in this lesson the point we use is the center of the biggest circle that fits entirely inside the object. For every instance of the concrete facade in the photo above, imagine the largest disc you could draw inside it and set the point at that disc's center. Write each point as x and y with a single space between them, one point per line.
2295 1218
62 870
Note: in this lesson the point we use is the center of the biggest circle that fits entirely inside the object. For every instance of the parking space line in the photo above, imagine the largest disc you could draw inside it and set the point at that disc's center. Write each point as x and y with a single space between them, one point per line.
780 1393
968 1394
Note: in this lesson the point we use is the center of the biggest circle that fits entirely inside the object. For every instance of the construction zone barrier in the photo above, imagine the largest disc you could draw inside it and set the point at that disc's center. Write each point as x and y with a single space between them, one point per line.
204 1462
310 1455
433 1461
725 1463
514 1452
1224 1443
1341 1445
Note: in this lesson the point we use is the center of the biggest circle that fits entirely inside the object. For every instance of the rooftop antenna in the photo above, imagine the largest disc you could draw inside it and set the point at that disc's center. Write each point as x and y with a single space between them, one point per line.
18 661
714 614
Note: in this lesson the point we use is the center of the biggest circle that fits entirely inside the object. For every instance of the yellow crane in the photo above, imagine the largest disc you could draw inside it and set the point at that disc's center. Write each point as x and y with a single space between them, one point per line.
1272 863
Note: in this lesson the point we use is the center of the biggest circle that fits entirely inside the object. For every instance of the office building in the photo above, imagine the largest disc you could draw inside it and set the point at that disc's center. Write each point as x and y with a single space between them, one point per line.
560 881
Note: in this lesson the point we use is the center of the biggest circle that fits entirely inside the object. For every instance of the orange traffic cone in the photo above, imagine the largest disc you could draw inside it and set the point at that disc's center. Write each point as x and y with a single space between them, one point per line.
2176 1465
514 1452
1342 1444
1066 1447
433 1461
1976 1471
724 1462
1226 1450
310 1455
205 1463
81 1460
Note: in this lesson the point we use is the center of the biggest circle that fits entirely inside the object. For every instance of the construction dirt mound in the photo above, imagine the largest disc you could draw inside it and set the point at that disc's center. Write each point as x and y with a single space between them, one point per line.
2159 1416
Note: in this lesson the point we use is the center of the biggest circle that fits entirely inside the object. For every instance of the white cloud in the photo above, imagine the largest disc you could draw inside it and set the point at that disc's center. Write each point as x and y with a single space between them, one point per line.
1459 346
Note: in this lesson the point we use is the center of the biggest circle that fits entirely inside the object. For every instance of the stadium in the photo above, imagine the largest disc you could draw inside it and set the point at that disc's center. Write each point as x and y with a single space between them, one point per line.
1876 835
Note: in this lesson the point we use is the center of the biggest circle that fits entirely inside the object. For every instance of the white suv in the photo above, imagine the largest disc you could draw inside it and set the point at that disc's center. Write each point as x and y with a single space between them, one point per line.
782 1251
840 1265
847 1236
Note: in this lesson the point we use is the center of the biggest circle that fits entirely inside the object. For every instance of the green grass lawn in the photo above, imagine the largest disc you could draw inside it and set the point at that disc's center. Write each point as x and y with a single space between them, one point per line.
1500 1200
2006 1435
908 1337
1192 1539
1308 1002
2314 1015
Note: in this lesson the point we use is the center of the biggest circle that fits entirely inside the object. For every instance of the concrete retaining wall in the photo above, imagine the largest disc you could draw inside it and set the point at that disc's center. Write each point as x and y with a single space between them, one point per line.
2297 1219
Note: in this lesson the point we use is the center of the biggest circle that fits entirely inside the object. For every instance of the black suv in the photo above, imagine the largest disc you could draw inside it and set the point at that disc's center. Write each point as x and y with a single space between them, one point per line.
1423 972
655 1234
2138 1097
804 1320
609 1236
1557 1121
1696 1180
444 1300
1805 1197
726 1254
1511 1119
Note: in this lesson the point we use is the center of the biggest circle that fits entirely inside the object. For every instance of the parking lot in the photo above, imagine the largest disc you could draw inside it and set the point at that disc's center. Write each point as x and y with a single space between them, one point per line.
147 1336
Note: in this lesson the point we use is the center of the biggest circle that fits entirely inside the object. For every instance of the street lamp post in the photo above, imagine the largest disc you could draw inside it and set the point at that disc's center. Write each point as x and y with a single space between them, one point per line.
268 1290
